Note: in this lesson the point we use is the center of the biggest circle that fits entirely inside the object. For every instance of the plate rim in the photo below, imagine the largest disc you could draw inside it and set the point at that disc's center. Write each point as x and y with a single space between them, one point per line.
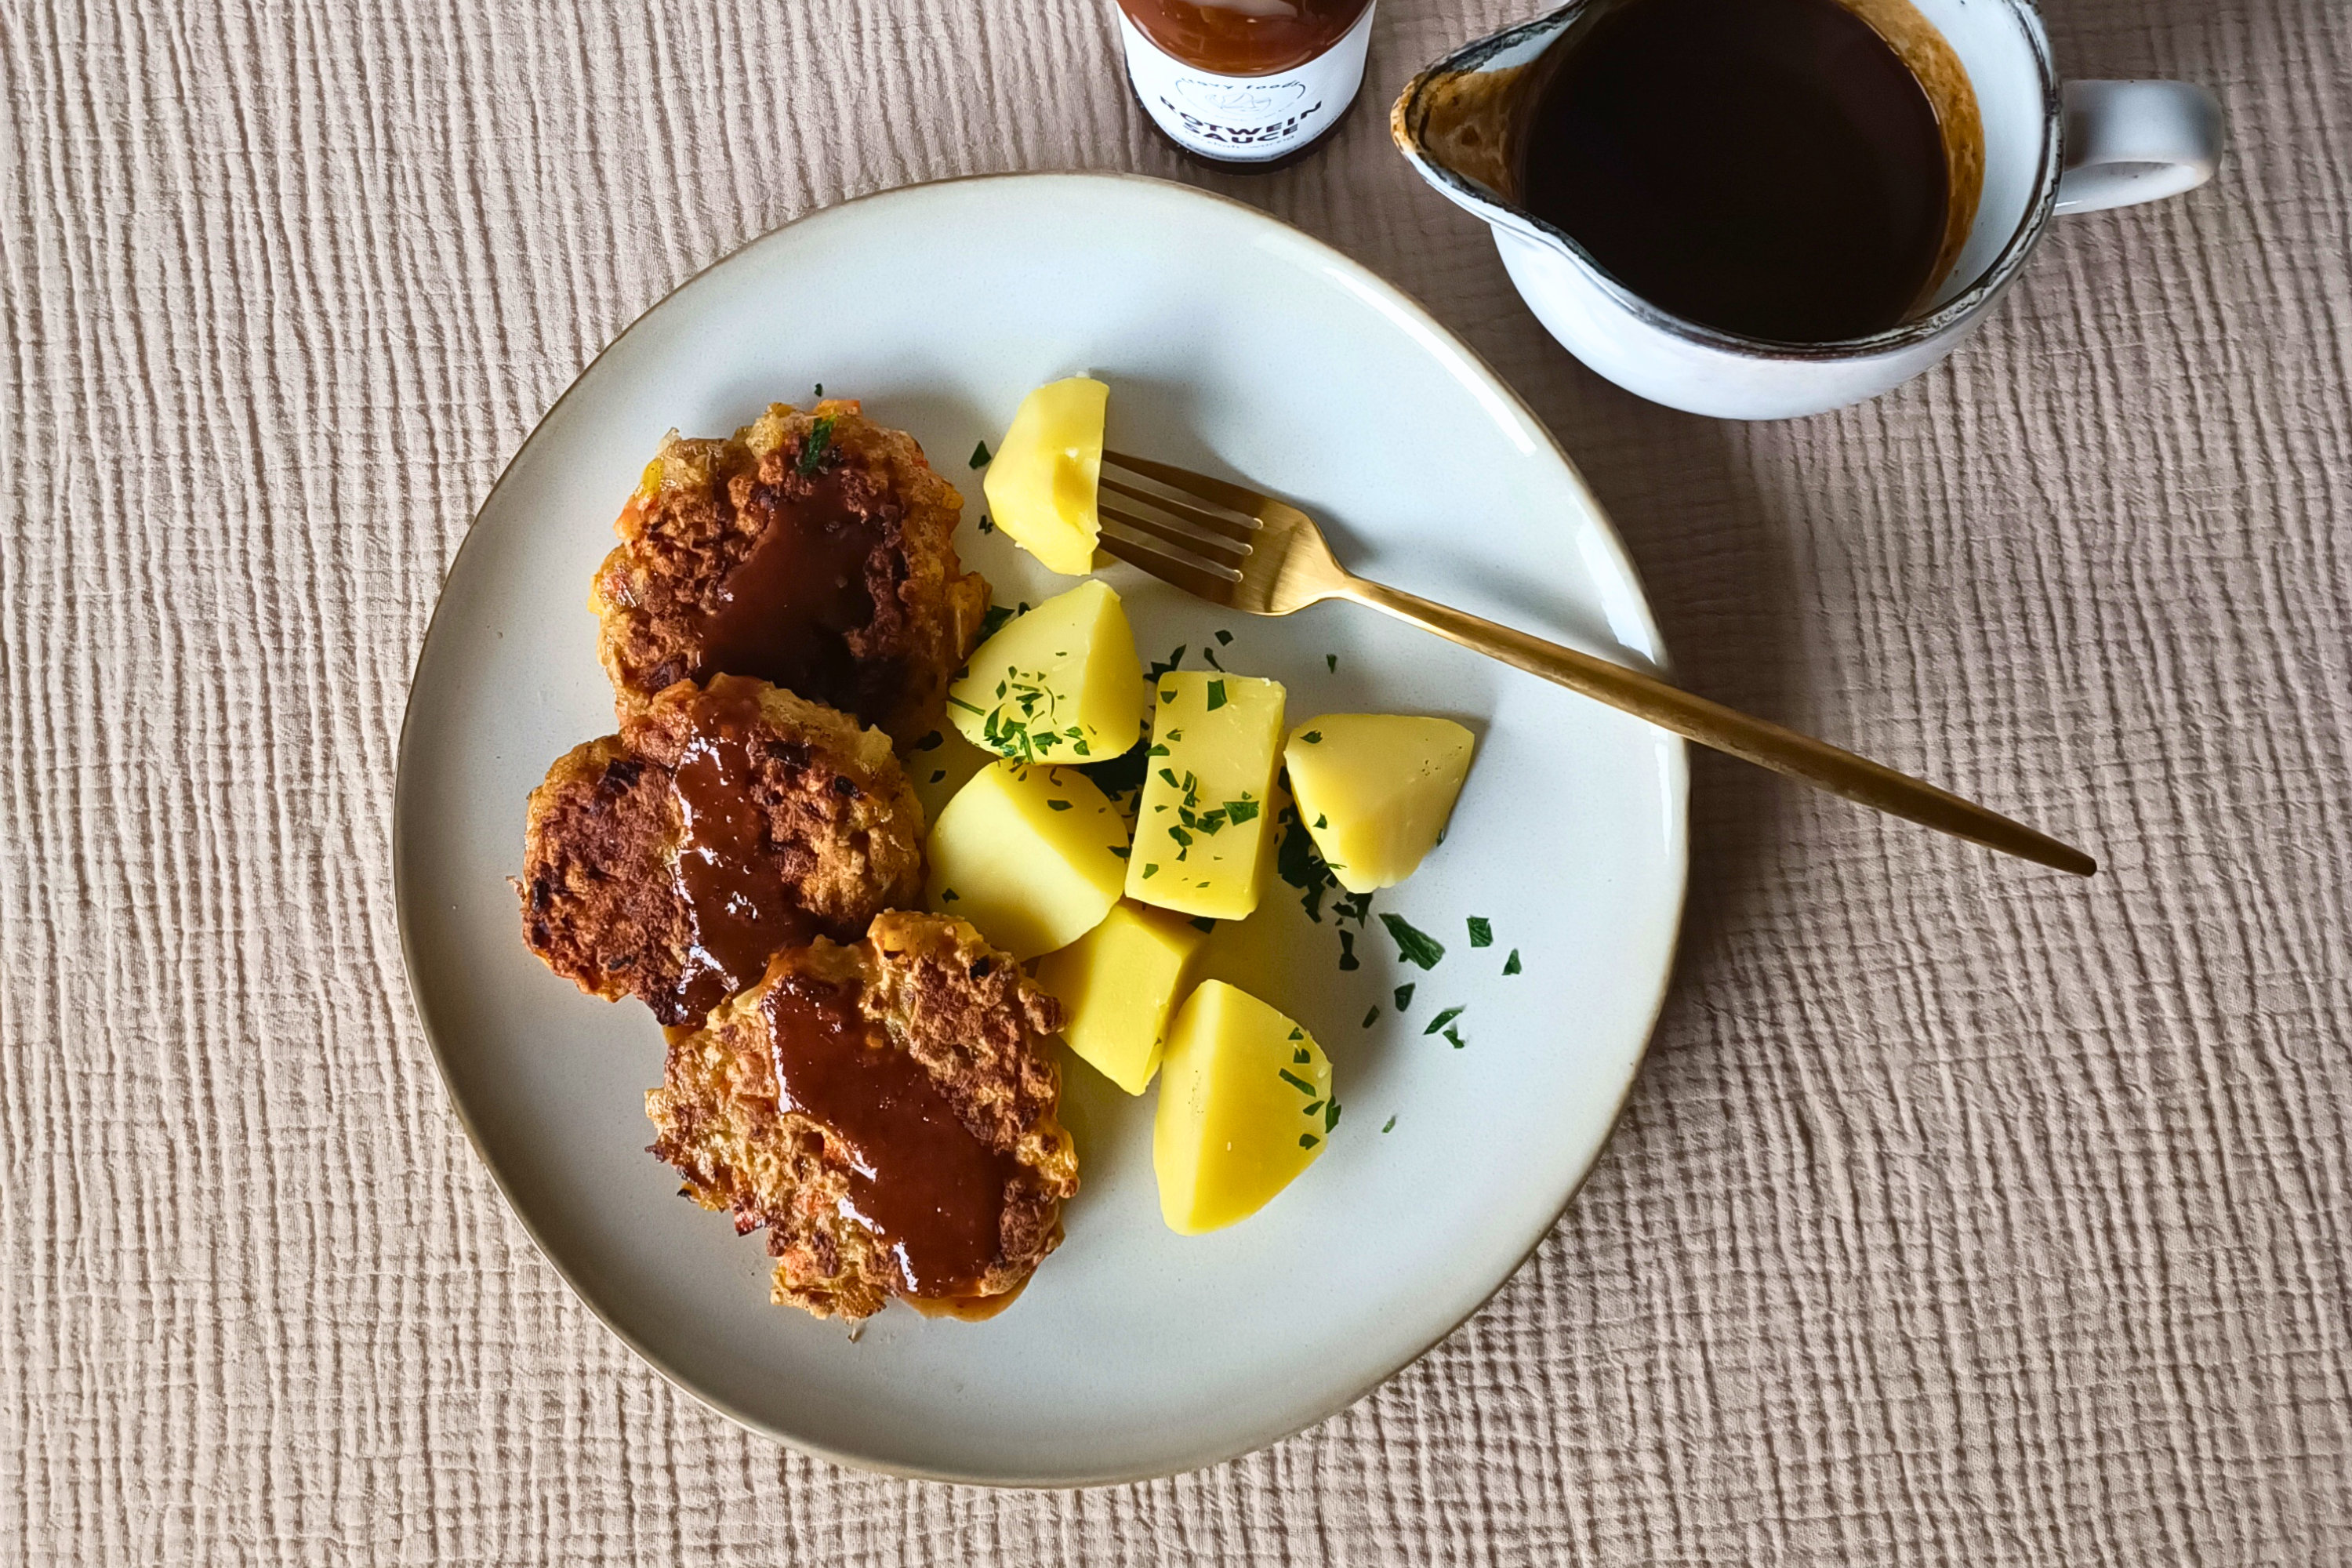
1436 335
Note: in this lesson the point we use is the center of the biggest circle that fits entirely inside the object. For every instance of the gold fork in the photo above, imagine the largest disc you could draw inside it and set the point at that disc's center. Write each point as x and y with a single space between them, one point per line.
1234 547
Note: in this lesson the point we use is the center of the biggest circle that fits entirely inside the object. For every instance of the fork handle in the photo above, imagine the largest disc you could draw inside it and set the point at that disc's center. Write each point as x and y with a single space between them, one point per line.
1758 741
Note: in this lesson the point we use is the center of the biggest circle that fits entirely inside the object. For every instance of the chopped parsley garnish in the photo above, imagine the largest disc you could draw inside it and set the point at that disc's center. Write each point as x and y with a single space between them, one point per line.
1122 850
1300 1055
1414 946
1354 907
1216 695
993 622
1240 811
1347 950
1057 806
1308 1140
1118 774
1202 922
1442 1020
939 774
820 390
1331 663
947 895
987 524
813 450
1371 1015
1297 863
1482 932
1313 737
1389 1125
1297 1034
1224 637
1149 870
1295 1081
979 455
930 743
1160 668
1331 1117
1210 655
1458 1041
1404 996
1322 821
1310 1107
1167 695
1511 964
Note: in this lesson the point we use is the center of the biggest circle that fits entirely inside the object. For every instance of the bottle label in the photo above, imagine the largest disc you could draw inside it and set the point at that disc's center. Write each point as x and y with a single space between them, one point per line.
1247 119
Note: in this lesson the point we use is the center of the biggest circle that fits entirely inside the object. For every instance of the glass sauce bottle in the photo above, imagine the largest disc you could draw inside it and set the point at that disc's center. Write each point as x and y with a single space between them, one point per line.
1245 84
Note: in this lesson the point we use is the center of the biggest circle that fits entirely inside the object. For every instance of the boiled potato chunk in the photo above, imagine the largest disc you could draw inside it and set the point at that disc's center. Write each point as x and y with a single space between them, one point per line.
1116 986
1029 855
1041 485
1203 828
1061 681
1245 1106
1375 790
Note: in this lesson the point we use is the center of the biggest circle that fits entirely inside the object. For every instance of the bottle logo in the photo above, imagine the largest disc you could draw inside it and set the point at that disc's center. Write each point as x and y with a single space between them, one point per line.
1245 119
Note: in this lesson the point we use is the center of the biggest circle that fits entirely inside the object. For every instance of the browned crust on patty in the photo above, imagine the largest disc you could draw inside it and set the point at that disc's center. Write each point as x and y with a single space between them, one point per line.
600 902
705 504
979 1029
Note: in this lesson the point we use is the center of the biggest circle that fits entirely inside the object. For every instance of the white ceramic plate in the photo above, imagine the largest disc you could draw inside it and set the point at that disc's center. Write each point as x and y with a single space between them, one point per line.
1233 343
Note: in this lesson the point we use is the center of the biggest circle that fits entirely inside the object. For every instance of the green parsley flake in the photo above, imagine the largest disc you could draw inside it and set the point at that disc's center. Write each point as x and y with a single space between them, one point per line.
1482 932
1390 1126
1370 1016
820 436
979 455
993 622
987 524
1297 1035
1240 811
1224 637
1149 870
820 390
1313 737
937 777
1414 945
1322 821
1443 1019
1347 950
1121 850
1202 922
1301 1053
1216 695
1404 996
947 895
1295 1081
1458 1041
1331 1117
1161 667
1308 1140
1057 806
1331 663
1511 964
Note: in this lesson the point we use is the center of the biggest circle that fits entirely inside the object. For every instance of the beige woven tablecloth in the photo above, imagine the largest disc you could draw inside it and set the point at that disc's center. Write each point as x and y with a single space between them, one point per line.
1963 1213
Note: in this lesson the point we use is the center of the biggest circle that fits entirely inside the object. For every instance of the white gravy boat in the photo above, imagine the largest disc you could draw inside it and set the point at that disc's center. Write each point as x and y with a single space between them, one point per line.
2028 145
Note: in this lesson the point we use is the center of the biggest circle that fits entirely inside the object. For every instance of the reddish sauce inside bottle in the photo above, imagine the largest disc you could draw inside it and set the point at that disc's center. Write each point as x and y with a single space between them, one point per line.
1245 37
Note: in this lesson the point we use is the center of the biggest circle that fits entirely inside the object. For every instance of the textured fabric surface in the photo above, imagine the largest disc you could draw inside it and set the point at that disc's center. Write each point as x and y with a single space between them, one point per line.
1963 1213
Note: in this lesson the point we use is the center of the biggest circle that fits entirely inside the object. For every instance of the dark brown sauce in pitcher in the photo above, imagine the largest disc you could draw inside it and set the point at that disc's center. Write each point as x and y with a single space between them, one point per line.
1766 167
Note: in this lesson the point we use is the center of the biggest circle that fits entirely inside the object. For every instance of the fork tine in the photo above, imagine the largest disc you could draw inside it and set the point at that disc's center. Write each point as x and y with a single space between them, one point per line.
1215 550
1213 522
1196 580
1246 501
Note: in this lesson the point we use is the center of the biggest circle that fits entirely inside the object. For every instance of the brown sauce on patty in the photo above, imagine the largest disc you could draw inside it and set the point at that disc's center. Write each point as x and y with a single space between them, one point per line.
931 1192
820 586
740 909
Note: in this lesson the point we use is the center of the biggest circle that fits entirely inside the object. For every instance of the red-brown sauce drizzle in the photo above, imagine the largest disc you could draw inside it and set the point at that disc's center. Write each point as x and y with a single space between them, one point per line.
930 1191
785 611
739 910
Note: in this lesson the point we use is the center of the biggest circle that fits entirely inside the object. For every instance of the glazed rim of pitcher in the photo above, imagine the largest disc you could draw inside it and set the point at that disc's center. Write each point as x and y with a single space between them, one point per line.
1411 116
